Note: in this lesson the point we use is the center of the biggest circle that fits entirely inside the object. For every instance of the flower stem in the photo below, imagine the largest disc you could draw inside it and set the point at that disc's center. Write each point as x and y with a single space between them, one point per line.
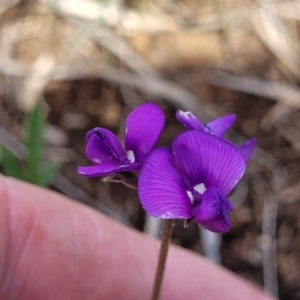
164 246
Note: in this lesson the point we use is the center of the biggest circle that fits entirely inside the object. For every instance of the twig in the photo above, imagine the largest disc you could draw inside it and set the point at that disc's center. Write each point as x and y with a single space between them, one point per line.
12 144
286 94
134 22
160 88
115 45
269 239
64 185
125 53
7 5
271 32
290 194
269 221
164 247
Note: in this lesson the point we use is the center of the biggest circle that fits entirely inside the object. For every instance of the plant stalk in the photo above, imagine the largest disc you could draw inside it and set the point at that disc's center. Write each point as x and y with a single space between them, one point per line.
164 246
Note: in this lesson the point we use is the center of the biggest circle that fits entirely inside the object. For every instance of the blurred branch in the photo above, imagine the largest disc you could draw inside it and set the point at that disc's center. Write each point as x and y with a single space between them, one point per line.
269 225
284 93
133 22
148 81
290 194
272 33
211 243
289 10
152 226
7 5
155 87
32 87
160 88
11 143
124 52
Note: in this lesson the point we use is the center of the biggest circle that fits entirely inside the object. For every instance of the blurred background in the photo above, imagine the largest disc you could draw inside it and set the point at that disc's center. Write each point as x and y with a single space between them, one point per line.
68 66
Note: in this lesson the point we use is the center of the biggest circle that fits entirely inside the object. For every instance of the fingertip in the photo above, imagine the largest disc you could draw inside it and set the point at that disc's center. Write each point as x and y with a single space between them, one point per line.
53 248
56 248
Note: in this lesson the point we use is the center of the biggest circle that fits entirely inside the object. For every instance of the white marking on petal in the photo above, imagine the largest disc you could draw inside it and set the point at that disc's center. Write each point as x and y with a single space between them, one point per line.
126 130
130 156
186 114
200 188
190 195
97 160
167 215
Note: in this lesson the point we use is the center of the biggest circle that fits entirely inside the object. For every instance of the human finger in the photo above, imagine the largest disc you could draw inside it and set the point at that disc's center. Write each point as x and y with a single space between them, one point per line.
54 248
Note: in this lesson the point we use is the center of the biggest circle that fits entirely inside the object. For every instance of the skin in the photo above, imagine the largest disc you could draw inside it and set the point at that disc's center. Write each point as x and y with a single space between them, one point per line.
54 248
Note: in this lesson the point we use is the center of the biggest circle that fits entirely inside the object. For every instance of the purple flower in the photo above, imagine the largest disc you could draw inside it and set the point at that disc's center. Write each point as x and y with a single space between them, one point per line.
216 127
143 128
192 180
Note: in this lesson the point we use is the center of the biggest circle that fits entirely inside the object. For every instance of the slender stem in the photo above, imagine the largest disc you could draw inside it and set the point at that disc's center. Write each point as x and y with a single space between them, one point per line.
164 246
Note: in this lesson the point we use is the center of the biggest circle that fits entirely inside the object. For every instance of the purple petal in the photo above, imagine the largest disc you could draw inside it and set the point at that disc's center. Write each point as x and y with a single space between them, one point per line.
110 140
208 161
143 126
106 169
220 126
187 119
161 189
228 205
98 152
247 148
212 212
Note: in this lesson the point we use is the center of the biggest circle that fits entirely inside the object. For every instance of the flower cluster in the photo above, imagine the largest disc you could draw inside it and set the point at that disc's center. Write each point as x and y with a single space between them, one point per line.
189 180
143 128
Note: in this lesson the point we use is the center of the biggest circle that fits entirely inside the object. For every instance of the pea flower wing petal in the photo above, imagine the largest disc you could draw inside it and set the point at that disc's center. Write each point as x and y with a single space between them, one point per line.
220 126
248 148
143 126
98 151
187 119
161 189
206 159
110 140
212 212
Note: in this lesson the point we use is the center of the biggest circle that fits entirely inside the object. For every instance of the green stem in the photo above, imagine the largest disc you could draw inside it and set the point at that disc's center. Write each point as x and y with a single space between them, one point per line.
164 246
